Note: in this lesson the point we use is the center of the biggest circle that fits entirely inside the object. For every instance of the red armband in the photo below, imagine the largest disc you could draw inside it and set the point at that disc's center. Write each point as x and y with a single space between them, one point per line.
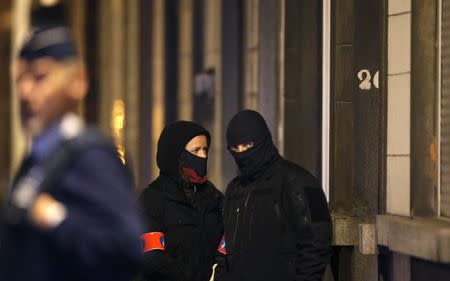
222 246
153 241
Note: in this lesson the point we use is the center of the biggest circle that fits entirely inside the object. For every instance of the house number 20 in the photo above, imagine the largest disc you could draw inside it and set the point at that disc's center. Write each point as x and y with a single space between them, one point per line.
366 80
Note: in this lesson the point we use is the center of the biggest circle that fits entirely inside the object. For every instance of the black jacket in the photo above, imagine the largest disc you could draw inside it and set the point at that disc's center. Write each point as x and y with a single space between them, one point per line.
192 230
277 227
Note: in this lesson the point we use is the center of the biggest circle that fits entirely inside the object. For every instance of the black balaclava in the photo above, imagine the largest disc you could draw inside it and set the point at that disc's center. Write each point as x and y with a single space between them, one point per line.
245 127
172 157
194 167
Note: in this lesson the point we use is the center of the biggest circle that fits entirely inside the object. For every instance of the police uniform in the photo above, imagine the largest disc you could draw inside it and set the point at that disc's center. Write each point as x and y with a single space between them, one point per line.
93 233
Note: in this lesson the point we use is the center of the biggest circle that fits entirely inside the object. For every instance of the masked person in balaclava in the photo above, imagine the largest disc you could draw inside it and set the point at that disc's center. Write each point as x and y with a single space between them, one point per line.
276 218
181 208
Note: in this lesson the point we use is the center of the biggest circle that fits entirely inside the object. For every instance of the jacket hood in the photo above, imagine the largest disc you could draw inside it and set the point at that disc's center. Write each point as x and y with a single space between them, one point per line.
245 127
172 143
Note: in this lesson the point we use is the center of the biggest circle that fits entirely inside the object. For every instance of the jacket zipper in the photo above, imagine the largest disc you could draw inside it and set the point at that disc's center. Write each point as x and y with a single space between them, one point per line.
201 212
245 211
246 200
238 215
238 211
237 225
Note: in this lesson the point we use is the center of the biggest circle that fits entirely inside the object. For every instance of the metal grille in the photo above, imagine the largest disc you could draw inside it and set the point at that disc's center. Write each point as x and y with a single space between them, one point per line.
445 109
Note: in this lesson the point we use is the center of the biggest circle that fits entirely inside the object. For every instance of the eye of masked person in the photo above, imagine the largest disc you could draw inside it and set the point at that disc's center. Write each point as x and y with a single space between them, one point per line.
198 146
242 147
199 151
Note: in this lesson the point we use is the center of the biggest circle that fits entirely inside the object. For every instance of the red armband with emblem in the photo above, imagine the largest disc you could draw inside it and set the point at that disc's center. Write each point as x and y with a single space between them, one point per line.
153 241
222 246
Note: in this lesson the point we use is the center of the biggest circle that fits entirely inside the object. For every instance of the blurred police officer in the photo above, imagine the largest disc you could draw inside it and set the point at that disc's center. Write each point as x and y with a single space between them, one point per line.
182 209
70 213
277 223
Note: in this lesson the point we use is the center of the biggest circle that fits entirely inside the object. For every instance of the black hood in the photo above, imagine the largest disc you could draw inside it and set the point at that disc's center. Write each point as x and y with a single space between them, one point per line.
245 127
172 143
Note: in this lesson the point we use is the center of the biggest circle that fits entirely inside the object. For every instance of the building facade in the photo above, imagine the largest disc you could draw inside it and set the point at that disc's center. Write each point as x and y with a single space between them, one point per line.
355 91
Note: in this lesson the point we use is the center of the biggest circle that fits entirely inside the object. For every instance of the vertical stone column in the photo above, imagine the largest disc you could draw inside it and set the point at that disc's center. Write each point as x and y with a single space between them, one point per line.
5 96
119 86
268 63
261 69
119 55
76 9
213 59
145 101
232 38
104 62
77 19
251 54
132 86
302 83
158 79
185 60
20 24
423 99
111 54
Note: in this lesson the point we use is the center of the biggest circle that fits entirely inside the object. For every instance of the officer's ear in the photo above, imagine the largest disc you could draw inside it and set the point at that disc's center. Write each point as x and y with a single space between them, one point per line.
78 85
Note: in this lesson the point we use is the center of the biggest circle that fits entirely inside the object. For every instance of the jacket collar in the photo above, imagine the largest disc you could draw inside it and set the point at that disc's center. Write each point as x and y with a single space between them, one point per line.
174 191
264 176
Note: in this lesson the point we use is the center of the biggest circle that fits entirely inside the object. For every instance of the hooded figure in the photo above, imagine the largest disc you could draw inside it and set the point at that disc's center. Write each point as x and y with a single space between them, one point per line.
276 218
248 127
181 208
172 157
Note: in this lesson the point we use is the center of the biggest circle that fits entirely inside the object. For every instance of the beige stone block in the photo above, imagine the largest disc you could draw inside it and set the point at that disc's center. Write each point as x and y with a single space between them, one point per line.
367 239
399 44
399 6
399 114
398 190
425 238
345 230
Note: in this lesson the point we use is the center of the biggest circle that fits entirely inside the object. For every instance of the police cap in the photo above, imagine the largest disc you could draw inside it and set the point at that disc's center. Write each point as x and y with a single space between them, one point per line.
50 37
